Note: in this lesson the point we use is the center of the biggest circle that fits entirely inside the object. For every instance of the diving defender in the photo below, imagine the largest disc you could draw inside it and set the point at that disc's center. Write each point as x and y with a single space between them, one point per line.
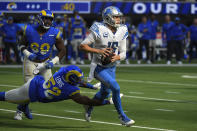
63 85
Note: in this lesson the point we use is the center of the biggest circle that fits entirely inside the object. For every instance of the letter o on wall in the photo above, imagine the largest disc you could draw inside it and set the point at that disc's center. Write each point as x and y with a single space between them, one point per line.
139 8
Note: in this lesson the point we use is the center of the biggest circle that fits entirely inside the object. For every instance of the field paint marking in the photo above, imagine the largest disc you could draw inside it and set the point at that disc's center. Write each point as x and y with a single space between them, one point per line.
145 98
164 110
188 76
10 86
137 97
72 111
149 98
116 110
131 92
170 92
155 82
101 122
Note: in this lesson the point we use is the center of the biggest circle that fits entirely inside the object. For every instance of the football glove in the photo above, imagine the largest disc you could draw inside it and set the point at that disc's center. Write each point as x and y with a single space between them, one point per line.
49 64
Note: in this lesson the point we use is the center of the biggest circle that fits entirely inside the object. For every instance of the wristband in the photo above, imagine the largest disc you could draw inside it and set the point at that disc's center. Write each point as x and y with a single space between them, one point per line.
26 53
55 60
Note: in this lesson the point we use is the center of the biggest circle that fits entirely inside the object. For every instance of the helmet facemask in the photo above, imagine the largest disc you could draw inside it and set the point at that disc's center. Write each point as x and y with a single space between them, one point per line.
44 17
109 15
43 23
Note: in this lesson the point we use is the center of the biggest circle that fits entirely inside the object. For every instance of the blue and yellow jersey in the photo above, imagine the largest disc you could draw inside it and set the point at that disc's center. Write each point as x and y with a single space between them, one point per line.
59 26
77 31
41 45
55 89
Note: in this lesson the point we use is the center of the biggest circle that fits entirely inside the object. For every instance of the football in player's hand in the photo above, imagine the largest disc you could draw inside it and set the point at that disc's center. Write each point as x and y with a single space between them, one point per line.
105 60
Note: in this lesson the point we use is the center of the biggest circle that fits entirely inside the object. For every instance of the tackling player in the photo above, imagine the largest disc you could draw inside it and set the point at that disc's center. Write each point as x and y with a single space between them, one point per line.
37 44
61 86
110 34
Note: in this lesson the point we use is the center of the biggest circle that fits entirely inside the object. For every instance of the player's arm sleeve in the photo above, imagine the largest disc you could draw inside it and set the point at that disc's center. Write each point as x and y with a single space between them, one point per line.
89 39
59 35
78 98
94 34
122 49
122 43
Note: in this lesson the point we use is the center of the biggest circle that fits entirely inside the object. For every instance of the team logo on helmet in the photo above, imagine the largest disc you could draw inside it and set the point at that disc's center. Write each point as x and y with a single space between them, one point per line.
74 76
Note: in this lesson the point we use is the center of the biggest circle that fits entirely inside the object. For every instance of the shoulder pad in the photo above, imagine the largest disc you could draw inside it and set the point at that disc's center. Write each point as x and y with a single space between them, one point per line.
95 28
125 31
26 28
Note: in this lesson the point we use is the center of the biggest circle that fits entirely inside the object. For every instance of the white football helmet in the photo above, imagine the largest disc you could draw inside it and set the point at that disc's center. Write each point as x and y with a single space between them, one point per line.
108 14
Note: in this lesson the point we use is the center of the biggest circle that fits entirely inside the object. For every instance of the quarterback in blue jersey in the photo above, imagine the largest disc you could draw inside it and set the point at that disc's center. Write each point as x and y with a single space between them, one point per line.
107 38
37 44
63 85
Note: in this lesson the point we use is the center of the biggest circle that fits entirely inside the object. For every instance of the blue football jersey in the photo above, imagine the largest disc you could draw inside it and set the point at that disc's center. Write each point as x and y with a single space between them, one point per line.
77 31
55 89
41 45
59 26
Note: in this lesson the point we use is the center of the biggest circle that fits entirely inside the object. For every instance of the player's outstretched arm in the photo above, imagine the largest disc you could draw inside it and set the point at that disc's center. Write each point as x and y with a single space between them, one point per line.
61 48
78 98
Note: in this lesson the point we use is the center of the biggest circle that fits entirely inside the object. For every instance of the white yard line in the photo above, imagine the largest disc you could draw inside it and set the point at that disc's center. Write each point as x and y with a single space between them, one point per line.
116 110
137 97
101 122
9 86
167 110
149 98
188 76
155 82
171 92
73 111
139 93
145 98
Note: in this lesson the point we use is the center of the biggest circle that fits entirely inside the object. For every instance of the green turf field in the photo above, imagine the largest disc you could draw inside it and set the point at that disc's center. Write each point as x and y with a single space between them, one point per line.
157 98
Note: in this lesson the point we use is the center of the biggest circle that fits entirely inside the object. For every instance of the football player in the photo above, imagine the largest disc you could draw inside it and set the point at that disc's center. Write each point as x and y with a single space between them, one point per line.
106 36
63 85
78 33
37 44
